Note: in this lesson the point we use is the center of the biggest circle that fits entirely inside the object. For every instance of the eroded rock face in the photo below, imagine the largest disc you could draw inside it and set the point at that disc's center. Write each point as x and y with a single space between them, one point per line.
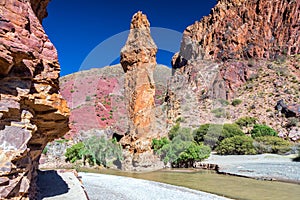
32 112
238 29
224 50
138 59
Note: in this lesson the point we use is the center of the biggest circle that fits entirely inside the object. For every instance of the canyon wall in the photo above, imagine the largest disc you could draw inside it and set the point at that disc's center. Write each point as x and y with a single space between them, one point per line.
227 48
32 112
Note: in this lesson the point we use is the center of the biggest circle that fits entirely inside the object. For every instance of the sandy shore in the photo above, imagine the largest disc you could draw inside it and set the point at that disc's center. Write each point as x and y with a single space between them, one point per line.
100 186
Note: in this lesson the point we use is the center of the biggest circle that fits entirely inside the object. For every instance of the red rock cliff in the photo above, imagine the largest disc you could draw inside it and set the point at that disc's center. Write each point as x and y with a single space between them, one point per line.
32 112
238 29
220 53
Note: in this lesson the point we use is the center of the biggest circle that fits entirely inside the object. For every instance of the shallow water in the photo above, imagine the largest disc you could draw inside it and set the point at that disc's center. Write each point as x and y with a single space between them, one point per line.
223 185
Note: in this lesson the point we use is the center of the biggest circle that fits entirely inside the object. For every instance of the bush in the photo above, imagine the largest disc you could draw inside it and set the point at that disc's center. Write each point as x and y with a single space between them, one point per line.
237 145
246 121
184 133
223 102
219 112
158 144
179 152
271 144
236 102
230 130
181 149
95 150
195 152
87 98
212 134
262 130
100 150
200 132
76 152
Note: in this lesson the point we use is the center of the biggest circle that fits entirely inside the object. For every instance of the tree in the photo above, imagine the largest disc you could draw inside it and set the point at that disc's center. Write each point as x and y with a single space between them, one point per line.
237 145
262 130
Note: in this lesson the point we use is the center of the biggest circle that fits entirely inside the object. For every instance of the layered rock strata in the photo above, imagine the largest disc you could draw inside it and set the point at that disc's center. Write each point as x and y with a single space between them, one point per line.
224 50
32 112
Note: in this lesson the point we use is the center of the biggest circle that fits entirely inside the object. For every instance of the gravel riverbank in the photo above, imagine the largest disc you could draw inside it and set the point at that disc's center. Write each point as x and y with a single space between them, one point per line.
100 186
265 166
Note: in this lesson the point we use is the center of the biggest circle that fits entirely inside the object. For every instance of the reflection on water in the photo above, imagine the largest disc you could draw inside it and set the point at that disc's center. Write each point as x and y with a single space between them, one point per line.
224 185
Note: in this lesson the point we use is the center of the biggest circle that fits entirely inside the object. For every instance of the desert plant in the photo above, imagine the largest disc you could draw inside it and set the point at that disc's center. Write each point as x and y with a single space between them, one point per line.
87 98
212 134
223 102
246 121
95 150
219 112
183 132
200 132
75 152
195 152
271 144
100 150
159 143
262 130
237 145
179 152
236 102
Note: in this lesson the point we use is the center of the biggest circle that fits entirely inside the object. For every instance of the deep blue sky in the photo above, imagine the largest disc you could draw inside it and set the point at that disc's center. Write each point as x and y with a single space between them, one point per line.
76 27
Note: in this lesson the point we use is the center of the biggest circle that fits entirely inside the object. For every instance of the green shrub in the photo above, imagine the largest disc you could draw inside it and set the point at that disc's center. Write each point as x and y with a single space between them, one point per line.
262 130
236 102
100 150
246 121
184 133
200 132
237 145
158 144
87 98
230 130
195 152
271 144
45 150
212 134
180 152
95 150
76 152
223 102
180 148
219 112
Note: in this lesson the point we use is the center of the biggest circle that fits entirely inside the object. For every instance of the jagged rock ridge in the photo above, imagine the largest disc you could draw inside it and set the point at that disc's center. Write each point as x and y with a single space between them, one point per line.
32 112
240 45
243 29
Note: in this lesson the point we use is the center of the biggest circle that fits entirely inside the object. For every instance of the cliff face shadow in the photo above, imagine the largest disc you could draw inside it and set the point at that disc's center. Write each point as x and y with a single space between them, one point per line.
50 184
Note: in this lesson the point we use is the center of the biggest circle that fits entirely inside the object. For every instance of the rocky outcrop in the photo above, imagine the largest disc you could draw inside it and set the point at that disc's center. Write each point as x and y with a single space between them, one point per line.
226 49
32 112
288 110
138 59
243 29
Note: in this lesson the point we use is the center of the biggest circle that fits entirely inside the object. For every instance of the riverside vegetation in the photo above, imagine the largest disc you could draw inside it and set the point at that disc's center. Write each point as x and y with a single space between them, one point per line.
184 146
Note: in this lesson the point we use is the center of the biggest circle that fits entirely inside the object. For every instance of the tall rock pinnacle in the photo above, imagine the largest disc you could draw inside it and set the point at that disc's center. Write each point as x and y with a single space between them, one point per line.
138 59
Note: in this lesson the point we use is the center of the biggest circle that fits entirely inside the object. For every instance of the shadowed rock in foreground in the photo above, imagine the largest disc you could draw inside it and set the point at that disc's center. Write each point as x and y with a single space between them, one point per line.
32 112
